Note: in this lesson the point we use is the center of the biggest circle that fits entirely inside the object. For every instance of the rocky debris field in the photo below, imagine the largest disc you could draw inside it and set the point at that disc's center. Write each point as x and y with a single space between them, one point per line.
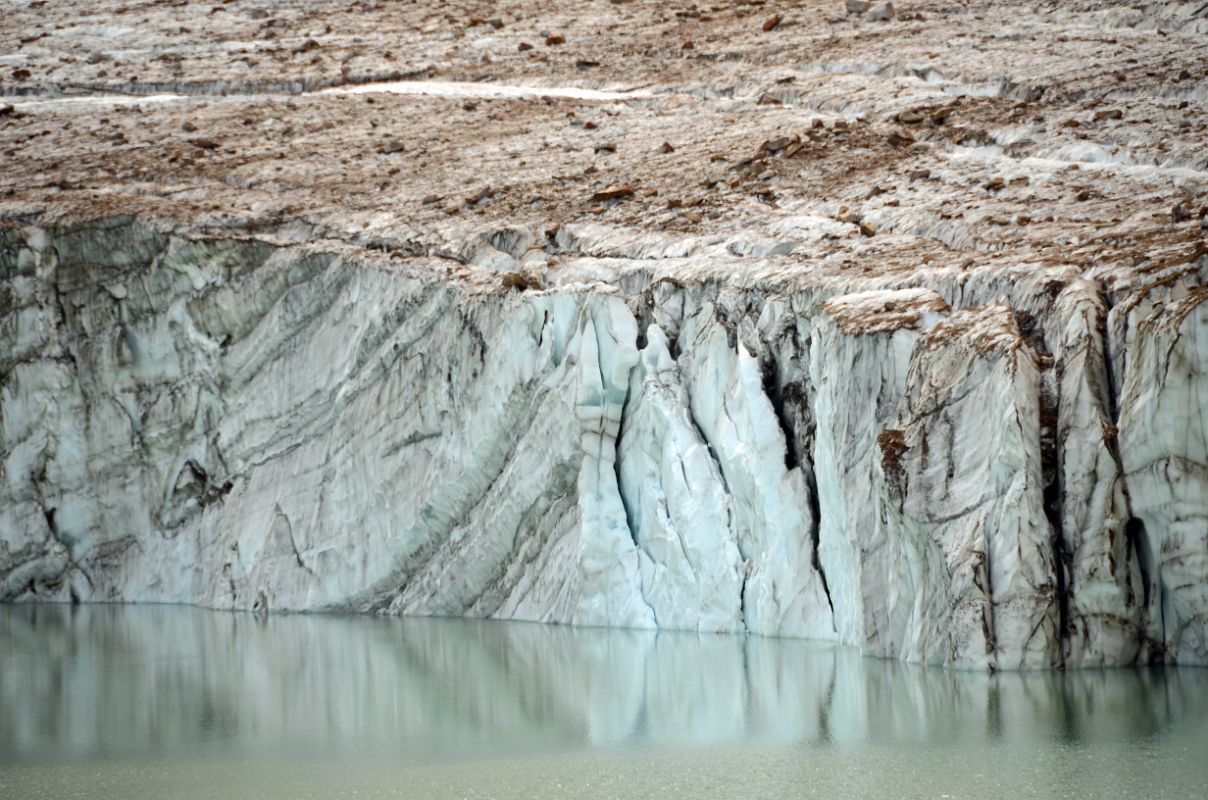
884 323
906 136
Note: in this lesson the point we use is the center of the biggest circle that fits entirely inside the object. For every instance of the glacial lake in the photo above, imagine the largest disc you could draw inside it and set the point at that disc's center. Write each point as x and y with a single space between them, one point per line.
168 702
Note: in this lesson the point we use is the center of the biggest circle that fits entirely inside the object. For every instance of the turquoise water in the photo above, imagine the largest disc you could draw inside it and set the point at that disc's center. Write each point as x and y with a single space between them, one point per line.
159 701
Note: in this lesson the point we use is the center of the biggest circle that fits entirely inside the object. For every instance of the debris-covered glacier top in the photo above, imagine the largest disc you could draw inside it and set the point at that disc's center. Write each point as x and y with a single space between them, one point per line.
534 143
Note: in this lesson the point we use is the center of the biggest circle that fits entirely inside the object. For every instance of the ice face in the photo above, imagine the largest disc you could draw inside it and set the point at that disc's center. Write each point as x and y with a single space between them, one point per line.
959 474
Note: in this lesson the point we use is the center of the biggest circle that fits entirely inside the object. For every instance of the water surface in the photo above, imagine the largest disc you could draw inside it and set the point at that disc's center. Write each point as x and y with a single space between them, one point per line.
160 701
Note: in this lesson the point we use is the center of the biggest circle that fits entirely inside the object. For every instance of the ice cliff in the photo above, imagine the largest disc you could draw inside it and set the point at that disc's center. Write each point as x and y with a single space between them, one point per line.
882 323
983 471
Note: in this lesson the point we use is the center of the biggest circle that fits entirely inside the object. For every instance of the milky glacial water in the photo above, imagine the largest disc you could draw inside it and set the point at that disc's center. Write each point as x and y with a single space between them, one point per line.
170 702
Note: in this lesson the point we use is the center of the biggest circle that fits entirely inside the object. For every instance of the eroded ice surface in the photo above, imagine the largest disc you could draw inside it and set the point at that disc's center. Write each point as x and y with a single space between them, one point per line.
983 473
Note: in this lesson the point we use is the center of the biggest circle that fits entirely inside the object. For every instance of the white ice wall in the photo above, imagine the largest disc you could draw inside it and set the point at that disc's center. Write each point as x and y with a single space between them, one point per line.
928 474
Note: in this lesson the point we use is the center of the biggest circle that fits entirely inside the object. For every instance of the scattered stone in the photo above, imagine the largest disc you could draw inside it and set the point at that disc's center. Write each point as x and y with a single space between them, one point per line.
911 117
520 281
21 74
1083 195
1180 213
6 111
881 12
667 148
554 39
583 63
772 23
868 228
920 174
900 138
688 45
606 147
1111 113
392 146
622 192
479 196
773 146
525 47
856 7
994 184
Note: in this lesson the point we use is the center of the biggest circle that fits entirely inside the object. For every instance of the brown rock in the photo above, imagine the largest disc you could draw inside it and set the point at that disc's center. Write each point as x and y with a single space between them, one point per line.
479 196
524 47
773 146
555 39
667 148
772 23
622 192
520 281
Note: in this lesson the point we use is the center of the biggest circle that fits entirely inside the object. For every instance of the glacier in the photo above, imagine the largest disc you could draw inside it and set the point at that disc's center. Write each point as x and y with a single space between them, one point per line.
987 469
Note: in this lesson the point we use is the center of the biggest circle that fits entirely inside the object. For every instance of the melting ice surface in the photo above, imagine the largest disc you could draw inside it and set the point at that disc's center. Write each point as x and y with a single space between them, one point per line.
160 701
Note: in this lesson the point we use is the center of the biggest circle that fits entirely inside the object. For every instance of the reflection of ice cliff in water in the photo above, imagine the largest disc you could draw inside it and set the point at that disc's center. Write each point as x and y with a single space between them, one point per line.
94 681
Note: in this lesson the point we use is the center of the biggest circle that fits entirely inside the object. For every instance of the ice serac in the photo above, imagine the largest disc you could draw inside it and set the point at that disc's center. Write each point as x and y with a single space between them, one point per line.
976 472
1163 432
